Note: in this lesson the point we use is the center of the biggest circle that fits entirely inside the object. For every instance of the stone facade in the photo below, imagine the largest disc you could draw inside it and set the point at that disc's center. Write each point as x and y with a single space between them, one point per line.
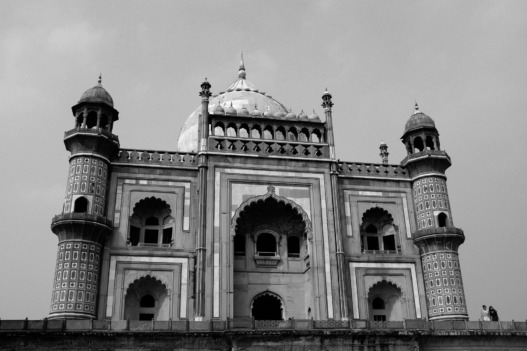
253 217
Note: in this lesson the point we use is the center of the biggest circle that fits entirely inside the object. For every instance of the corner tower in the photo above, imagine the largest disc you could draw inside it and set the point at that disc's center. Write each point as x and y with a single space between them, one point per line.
82 227
436 236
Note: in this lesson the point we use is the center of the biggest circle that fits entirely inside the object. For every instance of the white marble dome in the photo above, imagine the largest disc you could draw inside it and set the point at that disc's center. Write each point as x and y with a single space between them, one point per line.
243 96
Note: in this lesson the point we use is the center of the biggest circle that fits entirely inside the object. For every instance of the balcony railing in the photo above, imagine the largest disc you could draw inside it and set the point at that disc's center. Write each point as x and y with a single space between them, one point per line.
76 216
426 153
264 147
92 131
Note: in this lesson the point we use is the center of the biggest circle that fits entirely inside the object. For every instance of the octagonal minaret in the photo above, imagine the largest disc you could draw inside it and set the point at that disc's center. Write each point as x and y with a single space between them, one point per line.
82 227
436 236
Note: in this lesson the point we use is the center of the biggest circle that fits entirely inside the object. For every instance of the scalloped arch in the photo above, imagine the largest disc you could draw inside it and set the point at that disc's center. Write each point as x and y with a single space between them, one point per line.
377 212
144 203
268 293
271 195
386 280
142 274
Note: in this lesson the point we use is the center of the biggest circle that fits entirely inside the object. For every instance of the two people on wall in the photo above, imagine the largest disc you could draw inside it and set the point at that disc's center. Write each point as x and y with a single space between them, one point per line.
489 314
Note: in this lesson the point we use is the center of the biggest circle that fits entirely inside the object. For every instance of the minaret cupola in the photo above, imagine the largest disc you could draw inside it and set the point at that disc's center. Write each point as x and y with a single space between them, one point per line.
95 109
420 133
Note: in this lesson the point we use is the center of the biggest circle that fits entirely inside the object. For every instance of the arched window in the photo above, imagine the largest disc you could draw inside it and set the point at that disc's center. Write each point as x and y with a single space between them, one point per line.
280 133
151 224
231 130
147 301
81 205
378 234
91 120
218 129
418 144
244 131
303 135
316 136
293 246
292 135
268 133
442 220
255 132
266 244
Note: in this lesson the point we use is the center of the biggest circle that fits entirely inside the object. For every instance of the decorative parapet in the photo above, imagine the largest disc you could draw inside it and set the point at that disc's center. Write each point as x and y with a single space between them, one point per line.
268 136
264 147
158 158
377 170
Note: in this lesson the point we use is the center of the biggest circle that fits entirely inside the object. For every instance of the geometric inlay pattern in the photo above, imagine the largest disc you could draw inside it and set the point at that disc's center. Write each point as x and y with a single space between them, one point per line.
87 177
443 283
430 194
76 277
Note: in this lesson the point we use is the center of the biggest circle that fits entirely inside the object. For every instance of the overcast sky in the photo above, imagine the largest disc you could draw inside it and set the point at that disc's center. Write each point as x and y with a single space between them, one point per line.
464 62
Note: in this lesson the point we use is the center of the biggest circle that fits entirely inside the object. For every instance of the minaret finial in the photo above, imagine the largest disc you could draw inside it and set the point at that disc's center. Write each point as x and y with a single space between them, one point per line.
416 108
384 153
241 71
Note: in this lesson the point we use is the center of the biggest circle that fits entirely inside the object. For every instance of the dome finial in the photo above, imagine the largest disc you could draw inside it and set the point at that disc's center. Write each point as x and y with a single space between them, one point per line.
100 79
416 108
241 71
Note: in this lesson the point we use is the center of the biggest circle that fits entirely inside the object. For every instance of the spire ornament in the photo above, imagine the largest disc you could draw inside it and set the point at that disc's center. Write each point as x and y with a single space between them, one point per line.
205 90
326 101
416 108
384 153
241 71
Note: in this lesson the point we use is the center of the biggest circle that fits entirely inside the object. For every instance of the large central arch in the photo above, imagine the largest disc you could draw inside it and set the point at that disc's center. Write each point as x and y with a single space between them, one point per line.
270 250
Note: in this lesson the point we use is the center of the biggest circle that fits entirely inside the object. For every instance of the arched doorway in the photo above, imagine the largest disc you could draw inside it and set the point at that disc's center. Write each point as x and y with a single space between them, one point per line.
267 306
147 299
270 238
385 302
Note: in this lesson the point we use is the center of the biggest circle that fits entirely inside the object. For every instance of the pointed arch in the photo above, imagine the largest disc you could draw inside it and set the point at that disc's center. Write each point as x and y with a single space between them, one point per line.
279 199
